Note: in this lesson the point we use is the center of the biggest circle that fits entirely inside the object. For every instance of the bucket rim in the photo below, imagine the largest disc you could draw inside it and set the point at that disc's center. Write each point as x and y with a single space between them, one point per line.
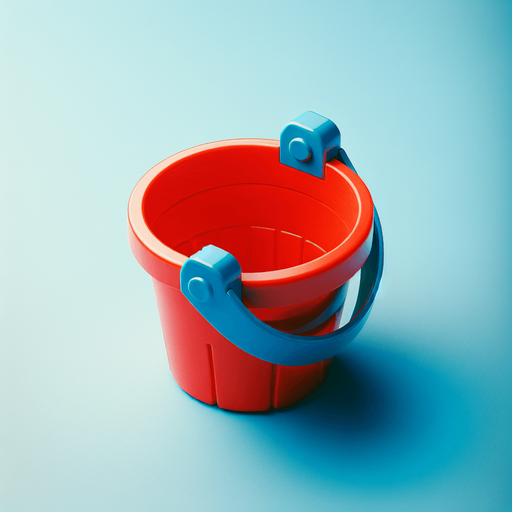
344 260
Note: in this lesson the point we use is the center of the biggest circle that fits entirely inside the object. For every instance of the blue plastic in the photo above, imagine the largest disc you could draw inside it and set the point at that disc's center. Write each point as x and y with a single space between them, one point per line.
308 142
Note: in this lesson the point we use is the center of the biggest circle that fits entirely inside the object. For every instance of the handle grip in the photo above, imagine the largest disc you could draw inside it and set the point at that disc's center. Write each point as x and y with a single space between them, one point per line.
211 281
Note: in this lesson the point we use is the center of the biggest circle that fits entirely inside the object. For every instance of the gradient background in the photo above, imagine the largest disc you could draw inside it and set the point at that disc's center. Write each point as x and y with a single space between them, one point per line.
417 413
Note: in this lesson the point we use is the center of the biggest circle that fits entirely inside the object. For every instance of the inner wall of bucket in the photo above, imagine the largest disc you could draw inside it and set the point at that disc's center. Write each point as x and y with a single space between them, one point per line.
241 199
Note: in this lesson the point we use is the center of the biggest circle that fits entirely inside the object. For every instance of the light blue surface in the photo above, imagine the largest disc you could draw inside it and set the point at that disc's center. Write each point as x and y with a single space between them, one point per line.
416 414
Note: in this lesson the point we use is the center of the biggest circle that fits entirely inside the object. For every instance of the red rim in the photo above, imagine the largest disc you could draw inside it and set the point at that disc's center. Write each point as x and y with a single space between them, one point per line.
271 288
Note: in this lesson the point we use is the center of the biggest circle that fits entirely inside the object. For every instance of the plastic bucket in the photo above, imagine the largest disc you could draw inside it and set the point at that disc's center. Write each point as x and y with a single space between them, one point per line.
298 239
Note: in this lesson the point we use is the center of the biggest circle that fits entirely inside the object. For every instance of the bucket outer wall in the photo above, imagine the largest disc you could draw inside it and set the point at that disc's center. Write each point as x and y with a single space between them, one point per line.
212 369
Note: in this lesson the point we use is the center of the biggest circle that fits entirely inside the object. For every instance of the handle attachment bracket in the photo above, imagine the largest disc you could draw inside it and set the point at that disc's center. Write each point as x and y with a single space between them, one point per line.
308 142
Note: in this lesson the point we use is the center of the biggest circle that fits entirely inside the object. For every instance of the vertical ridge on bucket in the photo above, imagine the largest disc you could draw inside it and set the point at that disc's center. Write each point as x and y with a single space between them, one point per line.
243 382
290 250
263 249
273 386
212 372
187 350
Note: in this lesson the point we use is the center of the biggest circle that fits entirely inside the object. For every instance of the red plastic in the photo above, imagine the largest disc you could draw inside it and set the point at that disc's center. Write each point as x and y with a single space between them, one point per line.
297 238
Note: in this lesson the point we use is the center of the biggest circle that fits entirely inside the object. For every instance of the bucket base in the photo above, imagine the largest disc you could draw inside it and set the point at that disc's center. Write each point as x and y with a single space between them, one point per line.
213 370
286 389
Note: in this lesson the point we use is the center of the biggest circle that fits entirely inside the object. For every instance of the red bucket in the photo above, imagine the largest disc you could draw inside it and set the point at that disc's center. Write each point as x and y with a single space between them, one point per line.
297 238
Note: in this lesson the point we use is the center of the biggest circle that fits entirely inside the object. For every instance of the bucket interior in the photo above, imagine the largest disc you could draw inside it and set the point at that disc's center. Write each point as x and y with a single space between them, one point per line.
241 199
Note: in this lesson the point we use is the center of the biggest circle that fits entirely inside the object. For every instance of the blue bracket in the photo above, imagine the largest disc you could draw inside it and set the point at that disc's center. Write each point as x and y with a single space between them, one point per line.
308 142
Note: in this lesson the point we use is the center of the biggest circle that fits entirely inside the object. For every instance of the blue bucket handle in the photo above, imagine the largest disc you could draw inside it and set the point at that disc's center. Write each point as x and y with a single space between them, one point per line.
211 278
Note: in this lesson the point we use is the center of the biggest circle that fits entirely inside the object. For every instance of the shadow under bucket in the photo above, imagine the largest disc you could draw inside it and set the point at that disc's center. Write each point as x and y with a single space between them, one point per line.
297 238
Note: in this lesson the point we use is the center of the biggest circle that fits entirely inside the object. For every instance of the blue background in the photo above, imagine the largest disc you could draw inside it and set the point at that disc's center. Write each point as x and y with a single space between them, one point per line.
417 412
